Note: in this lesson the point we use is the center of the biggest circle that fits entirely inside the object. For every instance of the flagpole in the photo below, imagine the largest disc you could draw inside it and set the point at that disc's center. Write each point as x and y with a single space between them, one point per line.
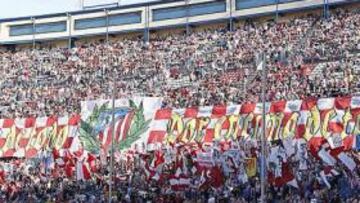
112 138
262 169
112 113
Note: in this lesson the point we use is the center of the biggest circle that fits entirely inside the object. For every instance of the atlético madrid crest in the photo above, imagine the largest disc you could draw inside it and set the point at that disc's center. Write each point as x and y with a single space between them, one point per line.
96 131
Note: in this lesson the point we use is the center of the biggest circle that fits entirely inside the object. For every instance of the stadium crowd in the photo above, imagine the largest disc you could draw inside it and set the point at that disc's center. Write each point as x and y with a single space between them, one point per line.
307 56
178 174
210 66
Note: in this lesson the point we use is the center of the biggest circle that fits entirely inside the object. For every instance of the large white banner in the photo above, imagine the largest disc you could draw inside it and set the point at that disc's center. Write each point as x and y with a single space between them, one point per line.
132 122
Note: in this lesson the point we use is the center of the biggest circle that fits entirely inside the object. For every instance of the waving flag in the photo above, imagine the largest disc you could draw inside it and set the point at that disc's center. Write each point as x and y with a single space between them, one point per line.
251 167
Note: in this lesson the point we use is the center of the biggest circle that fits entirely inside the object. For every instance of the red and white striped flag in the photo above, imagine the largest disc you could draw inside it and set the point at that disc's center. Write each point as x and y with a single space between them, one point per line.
179 181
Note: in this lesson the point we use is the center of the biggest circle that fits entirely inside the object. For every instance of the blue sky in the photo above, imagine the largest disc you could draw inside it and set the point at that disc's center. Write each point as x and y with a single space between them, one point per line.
21 8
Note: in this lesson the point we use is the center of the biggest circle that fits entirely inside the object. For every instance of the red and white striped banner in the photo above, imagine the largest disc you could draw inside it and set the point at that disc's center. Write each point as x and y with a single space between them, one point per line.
334 119
24 137
312 119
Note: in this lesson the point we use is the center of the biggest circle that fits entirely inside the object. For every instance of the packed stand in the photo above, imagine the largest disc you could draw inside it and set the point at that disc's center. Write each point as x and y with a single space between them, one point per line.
204 68
306 57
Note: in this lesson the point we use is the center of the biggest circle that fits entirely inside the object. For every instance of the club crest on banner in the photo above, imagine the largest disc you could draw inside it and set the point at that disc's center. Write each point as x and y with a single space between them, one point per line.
95 132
